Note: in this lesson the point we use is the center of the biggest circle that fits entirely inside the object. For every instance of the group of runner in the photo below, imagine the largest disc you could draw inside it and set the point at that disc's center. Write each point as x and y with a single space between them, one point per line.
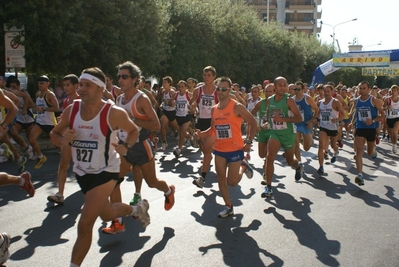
110 130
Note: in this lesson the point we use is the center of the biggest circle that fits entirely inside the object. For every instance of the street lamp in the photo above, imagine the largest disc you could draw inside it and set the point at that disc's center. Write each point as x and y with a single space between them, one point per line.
379 43
333 27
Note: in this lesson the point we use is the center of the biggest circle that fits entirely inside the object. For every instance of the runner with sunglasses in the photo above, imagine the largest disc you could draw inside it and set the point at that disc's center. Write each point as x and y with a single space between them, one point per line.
229 146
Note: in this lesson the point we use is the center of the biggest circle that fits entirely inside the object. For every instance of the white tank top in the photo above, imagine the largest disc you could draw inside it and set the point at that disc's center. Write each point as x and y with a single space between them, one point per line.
28 117
167 96
46 117
327 113
393 113
205 103
182 104
92 151
129 106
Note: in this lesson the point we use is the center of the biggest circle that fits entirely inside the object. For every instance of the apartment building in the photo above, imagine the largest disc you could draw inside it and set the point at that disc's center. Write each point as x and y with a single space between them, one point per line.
296 15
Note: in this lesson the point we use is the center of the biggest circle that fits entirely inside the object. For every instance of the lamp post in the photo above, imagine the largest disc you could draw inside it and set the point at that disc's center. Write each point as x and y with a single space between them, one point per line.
333 27
379 43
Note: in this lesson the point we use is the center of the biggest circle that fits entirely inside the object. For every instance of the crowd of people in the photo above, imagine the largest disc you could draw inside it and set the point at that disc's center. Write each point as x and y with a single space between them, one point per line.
109 130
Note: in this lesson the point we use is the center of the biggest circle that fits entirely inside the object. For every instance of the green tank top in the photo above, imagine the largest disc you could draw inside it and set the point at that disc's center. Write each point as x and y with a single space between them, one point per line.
262 116
280 108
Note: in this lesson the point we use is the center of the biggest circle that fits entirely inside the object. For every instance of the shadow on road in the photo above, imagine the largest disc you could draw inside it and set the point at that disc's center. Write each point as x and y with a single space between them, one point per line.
309 233
58 220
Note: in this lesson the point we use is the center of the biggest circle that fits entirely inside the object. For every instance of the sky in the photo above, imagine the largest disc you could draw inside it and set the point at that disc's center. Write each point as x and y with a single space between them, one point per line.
376 22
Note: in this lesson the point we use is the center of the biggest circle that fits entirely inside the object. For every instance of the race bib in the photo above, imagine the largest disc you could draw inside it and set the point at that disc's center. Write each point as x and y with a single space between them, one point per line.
364 113
279 125
325 117
223 131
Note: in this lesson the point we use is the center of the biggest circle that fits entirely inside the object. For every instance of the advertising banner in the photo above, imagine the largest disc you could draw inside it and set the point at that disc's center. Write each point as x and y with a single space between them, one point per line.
365 59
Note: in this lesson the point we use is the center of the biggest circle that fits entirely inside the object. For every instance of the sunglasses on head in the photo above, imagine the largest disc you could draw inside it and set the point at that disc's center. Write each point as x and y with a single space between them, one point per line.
224 89
123 76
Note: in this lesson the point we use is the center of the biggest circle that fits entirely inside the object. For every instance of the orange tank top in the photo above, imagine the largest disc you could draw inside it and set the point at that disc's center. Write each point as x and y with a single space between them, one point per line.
227 127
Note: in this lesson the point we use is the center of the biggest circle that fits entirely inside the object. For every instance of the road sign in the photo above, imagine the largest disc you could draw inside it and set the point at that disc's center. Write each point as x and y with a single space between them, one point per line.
15 52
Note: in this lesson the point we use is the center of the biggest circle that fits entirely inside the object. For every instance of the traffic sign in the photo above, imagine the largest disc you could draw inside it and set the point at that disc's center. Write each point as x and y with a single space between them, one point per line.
15 52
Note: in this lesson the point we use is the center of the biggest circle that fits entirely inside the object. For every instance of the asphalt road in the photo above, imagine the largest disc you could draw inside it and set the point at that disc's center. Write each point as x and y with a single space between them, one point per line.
318 221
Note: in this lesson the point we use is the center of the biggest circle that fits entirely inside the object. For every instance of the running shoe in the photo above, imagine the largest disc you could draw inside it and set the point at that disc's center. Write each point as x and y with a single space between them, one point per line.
263 182
248 170
359 180
299 173
40 162
114 228
28 186
7 152
57 198
267 193
199 182
29 153
21 164
177 152
136 199
334 157
144 217
228 211
164 145
4 252
374 156
170 200
320 171
340 144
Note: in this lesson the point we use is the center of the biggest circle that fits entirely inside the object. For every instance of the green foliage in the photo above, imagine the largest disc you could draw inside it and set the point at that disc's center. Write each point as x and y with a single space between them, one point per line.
164 37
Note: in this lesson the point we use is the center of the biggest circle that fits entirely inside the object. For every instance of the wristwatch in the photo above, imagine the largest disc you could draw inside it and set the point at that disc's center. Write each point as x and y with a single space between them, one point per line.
248 142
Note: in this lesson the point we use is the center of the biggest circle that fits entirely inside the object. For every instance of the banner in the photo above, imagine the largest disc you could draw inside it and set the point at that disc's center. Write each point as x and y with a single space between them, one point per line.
361 60
380 71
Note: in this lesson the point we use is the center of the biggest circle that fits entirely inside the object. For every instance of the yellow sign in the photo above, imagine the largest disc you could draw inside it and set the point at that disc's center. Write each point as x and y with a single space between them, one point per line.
361 60
380 71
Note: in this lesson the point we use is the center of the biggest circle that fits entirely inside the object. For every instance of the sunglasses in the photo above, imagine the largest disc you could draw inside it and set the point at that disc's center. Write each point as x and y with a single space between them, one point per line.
224 89
41 82
297 89
123 76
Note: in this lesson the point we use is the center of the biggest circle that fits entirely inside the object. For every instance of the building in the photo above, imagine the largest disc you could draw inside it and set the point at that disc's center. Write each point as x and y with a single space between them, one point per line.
296 15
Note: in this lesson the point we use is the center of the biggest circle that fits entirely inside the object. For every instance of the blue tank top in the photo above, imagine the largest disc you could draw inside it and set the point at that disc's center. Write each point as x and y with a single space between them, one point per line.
365 109
305 109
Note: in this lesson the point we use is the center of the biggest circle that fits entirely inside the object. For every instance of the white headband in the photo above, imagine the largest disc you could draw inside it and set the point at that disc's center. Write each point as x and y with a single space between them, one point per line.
93 79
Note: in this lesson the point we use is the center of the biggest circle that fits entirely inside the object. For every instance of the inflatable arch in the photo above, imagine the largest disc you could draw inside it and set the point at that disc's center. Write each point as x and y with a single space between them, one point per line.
327 67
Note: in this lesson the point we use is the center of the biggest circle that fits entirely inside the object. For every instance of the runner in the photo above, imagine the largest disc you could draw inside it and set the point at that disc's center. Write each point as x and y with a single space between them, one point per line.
89 127
46 105
183 116
391 104
282 113
264 132
304 129
330 113
369 112
227 116
205 97
140 154
168 111
70 85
